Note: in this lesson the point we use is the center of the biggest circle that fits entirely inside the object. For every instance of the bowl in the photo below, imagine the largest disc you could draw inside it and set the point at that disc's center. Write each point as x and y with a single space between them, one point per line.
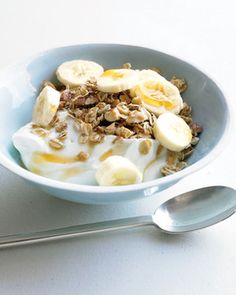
19 86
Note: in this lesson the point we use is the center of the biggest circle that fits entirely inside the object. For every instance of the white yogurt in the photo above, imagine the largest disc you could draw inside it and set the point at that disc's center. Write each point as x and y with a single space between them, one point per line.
62 165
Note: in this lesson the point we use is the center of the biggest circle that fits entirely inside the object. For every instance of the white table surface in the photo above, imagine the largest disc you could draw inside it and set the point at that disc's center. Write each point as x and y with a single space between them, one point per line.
141 261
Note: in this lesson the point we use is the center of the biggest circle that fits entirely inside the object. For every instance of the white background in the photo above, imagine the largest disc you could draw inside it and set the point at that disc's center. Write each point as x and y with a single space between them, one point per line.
141 261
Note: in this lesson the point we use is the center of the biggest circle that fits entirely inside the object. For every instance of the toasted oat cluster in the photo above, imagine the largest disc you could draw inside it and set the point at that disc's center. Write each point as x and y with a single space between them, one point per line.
97 113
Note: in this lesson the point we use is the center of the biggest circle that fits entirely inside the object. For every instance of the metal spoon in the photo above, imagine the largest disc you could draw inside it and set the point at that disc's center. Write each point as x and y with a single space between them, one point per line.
186 212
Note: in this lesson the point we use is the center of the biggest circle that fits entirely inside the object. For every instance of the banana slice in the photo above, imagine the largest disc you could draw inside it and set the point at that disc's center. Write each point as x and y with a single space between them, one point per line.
172 132
117 170
145 75
158 95
78 72
46 106
117 80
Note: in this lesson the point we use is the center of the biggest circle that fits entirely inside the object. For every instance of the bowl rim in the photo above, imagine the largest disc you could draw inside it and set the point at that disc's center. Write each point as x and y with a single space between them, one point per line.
41 180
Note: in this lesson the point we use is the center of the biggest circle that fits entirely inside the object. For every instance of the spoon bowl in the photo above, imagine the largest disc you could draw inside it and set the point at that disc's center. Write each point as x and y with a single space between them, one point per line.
196 209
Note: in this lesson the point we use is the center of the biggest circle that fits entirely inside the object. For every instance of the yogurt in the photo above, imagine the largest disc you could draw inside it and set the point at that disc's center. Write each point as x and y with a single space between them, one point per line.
64 165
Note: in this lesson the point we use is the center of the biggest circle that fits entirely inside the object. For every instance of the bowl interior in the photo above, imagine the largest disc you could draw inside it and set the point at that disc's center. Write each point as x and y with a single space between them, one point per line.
19 85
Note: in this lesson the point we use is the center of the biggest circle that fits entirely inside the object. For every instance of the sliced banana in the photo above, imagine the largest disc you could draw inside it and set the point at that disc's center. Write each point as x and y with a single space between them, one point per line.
117 80
172 132
78 72
145 75
117 170
46 106
158 95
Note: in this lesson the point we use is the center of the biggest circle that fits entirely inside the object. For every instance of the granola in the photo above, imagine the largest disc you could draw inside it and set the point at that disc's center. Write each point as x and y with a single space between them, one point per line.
179 83
56 144
82 156
97 114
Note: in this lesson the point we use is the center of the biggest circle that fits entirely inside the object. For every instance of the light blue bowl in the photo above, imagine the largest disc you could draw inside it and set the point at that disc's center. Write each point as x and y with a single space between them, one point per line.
19 86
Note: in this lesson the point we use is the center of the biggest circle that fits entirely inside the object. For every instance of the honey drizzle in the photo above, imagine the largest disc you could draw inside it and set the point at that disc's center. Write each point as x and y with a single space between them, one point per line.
70 172
158 153
39 158
105 155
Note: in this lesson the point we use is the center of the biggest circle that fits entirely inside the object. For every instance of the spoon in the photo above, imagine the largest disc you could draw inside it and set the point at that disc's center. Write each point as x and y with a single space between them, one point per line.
186 212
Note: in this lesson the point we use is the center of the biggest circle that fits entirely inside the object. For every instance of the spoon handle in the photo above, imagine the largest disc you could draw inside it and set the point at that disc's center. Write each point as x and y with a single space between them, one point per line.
74 231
